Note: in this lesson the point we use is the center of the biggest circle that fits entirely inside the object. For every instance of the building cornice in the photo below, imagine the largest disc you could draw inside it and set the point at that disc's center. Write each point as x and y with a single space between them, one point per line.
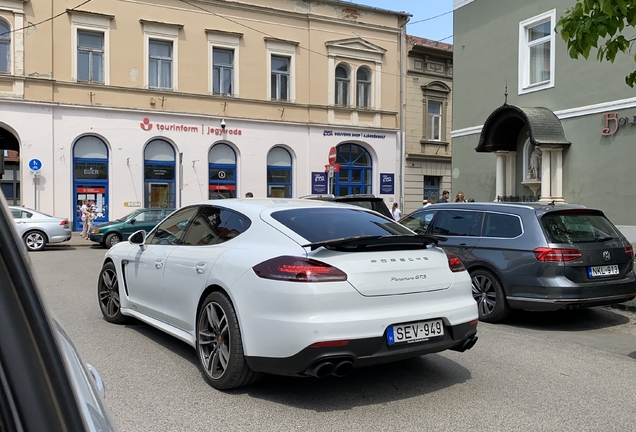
89 13
223 32
424 157
160 23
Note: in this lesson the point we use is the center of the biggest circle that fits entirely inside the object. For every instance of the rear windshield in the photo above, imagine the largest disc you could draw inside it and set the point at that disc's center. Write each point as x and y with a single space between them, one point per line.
321 224
565 227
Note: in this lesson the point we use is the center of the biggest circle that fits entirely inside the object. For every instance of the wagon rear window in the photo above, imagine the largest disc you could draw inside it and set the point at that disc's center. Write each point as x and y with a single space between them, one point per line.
577 227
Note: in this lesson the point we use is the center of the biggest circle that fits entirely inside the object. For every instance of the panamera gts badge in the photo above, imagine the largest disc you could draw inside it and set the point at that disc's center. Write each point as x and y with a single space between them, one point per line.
606 255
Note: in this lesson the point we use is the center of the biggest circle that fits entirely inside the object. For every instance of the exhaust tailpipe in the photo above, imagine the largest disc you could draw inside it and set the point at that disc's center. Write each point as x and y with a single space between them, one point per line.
321 370
343 368
466 344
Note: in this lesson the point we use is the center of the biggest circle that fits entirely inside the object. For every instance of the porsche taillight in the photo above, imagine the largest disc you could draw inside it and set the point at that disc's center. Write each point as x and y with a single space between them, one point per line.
298 269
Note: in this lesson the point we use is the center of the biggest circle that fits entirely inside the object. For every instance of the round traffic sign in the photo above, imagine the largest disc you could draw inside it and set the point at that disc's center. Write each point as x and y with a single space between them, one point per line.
332 155
35 164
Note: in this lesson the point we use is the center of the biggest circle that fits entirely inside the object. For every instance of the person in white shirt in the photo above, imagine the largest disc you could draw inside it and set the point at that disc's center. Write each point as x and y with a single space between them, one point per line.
395 211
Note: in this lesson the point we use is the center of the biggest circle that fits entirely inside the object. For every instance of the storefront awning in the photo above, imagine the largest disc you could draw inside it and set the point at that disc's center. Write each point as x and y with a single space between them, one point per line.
501 129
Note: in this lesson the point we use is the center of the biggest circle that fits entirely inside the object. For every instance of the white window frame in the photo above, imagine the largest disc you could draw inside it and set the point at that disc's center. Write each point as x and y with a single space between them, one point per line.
227 41
524 51
9 36
91 23
282 48
166 33
438 118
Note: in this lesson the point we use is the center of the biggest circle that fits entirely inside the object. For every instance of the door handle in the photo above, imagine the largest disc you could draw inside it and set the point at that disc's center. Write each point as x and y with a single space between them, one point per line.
463 246
200 267
159 264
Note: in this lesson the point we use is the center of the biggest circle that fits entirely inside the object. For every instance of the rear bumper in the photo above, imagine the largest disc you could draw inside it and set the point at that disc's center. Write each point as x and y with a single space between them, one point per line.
59 238
365 352
567 296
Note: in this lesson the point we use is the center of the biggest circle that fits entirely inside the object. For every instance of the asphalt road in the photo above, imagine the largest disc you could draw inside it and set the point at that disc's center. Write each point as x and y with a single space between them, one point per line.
572 371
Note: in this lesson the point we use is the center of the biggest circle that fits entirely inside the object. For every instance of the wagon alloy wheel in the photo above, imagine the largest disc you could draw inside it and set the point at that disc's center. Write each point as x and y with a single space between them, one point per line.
34 241
489 295
214 340
108 294
220 346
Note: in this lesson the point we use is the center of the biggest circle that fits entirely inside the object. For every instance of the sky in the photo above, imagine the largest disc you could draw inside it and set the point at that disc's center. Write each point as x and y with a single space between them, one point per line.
436 29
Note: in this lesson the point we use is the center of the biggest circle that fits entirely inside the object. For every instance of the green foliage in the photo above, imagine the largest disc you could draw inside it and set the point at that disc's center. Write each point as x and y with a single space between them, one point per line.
599 24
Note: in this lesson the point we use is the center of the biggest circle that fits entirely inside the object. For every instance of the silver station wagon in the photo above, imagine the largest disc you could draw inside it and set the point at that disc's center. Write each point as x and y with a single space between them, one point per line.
533 256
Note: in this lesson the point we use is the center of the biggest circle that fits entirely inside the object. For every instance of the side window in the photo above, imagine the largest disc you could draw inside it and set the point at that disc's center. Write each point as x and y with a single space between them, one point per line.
456 223
16 213
502 225
420 221
214 225
171 231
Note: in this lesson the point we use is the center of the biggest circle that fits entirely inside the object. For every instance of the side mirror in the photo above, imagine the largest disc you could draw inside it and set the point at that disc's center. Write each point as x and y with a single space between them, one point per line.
138 238
132 221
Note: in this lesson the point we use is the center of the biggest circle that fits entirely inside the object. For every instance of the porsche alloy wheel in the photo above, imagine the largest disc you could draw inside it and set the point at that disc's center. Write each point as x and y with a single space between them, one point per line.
219 345
108 294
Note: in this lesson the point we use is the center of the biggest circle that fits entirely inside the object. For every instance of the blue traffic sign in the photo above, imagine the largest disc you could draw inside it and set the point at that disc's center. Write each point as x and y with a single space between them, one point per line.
35 164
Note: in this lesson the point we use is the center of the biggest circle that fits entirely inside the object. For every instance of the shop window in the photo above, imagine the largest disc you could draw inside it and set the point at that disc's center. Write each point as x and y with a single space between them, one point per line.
279 173
159 174
355 170
222 171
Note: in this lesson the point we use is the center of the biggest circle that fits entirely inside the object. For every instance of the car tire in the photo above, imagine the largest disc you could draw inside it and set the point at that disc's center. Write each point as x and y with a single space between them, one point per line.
489 295
35 240
111 240
219 345
108 294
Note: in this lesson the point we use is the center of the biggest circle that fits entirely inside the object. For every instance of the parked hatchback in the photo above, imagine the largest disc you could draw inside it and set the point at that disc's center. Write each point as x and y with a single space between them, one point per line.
533 256
110 233
38 229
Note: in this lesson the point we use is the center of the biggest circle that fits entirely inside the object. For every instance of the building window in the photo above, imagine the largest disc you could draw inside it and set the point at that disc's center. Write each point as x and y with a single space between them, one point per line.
222 171
280 78
536 52
222 71
434 121
159 174
160 64
279 173
342 85
90 56
363 87
5 48
356 170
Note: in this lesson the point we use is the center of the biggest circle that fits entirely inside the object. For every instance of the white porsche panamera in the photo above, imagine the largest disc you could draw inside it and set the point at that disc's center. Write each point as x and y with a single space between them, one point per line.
290 287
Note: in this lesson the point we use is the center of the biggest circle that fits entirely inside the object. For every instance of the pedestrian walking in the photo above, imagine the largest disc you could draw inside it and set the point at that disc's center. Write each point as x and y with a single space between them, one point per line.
396 212
445 197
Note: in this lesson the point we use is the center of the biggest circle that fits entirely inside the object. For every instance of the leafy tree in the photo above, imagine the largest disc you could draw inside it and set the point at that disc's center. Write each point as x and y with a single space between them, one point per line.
599 24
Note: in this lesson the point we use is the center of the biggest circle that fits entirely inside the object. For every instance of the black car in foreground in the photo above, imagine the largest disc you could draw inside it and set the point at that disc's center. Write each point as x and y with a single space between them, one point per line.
533 256
44 386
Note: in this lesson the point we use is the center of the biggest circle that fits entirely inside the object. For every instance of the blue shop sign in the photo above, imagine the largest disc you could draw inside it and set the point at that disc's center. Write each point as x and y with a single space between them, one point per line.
318 183
387 183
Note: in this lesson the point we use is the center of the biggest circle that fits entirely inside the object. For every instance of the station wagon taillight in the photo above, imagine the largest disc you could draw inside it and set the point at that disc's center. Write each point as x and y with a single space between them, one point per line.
629 250
297 269
556 254
454 262
64 222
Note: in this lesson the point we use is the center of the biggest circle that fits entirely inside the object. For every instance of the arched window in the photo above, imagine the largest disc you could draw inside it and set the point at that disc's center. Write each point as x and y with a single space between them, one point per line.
342 85
355 170
159 174
90 178
222 166
279 173
5 48
363 87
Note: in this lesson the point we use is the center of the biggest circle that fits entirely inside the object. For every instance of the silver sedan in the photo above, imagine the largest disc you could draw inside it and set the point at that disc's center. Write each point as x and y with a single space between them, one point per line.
38 229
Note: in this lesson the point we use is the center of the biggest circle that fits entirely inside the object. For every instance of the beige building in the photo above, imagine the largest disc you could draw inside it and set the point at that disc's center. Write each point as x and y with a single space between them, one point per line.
137 104
429 84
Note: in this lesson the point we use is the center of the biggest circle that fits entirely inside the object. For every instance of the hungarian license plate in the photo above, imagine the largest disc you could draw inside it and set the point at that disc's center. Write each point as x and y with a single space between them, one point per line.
607 270
414 332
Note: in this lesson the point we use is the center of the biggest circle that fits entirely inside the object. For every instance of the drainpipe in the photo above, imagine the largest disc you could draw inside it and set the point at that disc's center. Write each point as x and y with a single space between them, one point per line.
402 146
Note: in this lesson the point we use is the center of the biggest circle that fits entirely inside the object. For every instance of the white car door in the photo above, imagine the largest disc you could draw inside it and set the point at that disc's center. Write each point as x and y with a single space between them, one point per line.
189 266
145 267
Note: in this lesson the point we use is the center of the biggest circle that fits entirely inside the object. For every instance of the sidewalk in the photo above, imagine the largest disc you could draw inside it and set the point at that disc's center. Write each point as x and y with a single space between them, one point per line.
77 240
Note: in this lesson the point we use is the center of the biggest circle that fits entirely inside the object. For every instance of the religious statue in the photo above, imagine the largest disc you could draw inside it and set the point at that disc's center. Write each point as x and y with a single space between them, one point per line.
534 166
